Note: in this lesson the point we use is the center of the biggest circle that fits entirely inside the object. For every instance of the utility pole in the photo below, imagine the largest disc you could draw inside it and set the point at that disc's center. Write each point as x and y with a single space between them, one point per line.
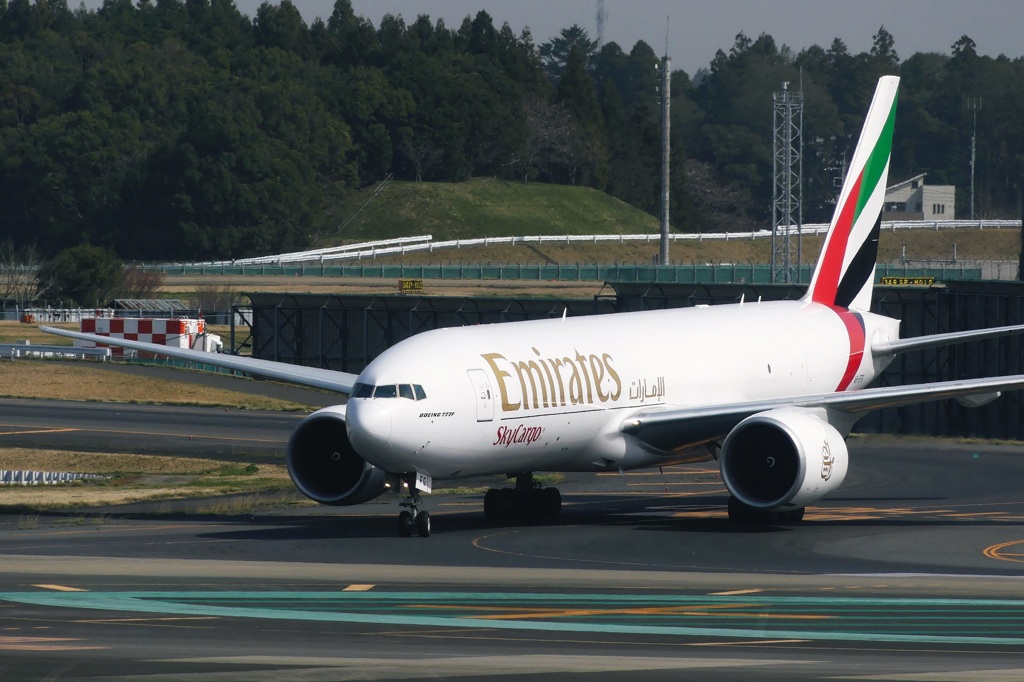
666 96
974 104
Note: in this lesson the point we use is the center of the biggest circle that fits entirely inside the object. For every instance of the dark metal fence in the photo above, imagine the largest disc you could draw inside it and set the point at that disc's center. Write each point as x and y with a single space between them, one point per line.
583 272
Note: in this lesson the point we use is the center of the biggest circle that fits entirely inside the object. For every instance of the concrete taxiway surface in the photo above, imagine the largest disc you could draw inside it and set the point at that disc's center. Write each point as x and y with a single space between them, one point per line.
914 570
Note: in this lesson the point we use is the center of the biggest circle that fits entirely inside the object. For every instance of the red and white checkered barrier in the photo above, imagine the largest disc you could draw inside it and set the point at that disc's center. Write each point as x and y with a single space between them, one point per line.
177 333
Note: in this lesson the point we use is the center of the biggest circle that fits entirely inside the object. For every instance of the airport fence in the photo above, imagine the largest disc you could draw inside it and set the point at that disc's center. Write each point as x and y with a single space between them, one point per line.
413 245
720 273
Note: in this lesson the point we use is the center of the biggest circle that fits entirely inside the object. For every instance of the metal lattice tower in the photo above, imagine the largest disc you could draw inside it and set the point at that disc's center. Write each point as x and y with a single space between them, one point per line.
787 191
602 16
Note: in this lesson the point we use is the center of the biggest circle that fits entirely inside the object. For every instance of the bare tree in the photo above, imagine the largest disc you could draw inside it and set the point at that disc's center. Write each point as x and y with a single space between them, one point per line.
421 152
138 282
721 207
212 296
19 273
550 127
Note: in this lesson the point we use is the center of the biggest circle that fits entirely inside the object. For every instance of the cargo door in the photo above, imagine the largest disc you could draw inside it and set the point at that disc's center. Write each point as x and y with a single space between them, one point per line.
484 395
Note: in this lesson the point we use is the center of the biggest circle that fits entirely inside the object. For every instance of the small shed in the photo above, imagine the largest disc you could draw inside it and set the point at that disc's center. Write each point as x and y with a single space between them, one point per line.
149 307
913 199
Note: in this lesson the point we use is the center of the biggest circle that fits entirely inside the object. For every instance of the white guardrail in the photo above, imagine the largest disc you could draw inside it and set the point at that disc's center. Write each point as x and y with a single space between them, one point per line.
20 350
406 245
22 477
319 254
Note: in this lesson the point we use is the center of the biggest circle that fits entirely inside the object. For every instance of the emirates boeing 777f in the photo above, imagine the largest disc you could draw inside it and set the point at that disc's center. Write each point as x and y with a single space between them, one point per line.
769 389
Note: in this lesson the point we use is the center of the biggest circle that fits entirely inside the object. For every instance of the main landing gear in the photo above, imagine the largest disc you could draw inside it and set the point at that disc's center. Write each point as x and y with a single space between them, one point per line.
527 501
413 518
744 513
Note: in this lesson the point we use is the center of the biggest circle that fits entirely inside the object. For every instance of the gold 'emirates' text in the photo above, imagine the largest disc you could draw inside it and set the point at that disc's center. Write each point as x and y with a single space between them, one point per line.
554 382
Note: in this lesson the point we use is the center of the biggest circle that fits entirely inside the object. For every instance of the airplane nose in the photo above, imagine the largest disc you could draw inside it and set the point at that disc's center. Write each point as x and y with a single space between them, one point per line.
369 426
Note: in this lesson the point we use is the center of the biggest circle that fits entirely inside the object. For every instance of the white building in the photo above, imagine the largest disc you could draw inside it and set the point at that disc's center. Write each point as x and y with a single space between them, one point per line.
914 200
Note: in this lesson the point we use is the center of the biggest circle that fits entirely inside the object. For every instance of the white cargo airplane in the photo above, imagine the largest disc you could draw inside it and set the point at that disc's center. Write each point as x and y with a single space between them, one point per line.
769 389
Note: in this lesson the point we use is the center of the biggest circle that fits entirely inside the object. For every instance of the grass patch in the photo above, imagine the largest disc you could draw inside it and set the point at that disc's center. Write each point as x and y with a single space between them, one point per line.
16 332
462 490
237 470
76 380
485 207
249 504
134 478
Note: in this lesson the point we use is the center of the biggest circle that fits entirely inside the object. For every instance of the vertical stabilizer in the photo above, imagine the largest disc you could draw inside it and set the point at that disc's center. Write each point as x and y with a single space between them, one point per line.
845 273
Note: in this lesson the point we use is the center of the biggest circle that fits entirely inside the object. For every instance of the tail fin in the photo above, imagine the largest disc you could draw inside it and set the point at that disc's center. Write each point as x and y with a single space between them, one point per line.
845 274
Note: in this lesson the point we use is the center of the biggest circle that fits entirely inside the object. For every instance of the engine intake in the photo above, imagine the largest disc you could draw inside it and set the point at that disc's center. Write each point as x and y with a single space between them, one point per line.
783 459
325 467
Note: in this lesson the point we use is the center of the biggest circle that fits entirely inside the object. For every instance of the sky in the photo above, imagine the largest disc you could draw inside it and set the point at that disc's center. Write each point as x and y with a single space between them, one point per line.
696 29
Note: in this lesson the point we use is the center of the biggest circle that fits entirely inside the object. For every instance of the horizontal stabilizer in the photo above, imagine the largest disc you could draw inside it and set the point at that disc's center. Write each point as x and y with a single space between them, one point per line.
932 340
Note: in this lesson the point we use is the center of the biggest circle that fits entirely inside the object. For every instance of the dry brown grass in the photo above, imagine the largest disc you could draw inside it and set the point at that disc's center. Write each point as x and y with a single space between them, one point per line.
134 478
971 244
15 332
104 463
80 380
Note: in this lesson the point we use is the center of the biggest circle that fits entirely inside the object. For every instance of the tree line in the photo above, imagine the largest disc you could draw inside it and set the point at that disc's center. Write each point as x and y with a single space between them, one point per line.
183 129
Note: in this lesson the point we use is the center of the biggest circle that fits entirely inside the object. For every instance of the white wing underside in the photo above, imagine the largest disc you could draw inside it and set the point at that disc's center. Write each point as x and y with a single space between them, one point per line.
673 427
313 377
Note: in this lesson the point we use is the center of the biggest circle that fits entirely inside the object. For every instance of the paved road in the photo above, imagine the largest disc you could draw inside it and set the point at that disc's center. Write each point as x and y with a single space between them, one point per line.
914 570
144 429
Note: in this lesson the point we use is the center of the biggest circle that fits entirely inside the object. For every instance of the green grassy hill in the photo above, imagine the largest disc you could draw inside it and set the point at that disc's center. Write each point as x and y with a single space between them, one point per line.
481 207
486 207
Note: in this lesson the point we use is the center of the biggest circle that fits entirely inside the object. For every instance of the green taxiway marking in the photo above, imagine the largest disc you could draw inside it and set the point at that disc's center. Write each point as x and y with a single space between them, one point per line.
925 621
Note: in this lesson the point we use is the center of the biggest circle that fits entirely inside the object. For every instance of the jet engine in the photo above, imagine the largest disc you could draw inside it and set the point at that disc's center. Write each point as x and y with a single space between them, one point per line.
325 467
783 459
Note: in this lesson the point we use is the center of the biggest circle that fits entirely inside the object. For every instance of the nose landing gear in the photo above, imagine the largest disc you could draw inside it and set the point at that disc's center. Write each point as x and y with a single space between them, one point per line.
412 518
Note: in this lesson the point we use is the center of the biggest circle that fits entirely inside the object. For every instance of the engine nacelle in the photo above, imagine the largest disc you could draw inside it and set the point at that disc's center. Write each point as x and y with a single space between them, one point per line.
325 467
783 459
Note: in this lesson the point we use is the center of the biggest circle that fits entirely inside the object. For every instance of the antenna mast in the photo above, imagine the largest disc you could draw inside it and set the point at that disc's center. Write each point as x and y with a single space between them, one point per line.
666 98
787 204
602 16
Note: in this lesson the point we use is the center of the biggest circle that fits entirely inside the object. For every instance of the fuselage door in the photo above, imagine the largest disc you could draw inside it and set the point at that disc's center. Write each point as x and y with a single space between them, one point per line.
484 395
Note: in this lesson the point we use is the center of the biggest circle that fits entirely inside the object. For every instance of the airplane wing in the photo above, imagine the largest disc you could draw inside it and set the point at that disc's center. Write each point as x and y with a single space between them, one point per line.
313 377
675 428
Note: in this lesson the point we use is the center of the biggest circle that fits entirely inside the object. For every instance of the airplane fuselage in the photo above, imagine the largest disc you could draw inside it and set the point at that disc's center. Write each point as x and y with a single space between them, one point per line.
553 394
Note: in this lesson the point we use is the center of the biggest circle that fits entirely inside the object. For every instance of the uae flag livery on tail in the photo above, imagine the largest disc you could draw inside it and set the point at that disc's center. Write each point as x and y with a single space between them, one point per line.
845 272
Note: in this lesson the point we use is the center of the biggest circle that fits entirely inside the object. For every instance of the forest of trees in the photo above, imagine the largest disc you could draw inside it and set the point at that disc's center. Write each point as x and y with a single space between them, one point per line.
183 129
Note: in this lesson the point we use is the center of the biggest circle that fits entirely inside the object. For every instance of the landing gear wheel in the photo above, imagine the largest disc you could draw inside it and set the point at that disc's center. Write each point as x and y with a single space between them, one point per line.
492 504
526 502
423 524
405 524
550 503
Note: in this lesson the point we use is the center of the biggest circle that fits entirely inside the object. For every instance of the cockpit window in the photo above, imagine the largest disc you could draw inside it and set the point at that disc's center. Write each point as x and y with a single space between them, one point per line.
386 391
407 391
